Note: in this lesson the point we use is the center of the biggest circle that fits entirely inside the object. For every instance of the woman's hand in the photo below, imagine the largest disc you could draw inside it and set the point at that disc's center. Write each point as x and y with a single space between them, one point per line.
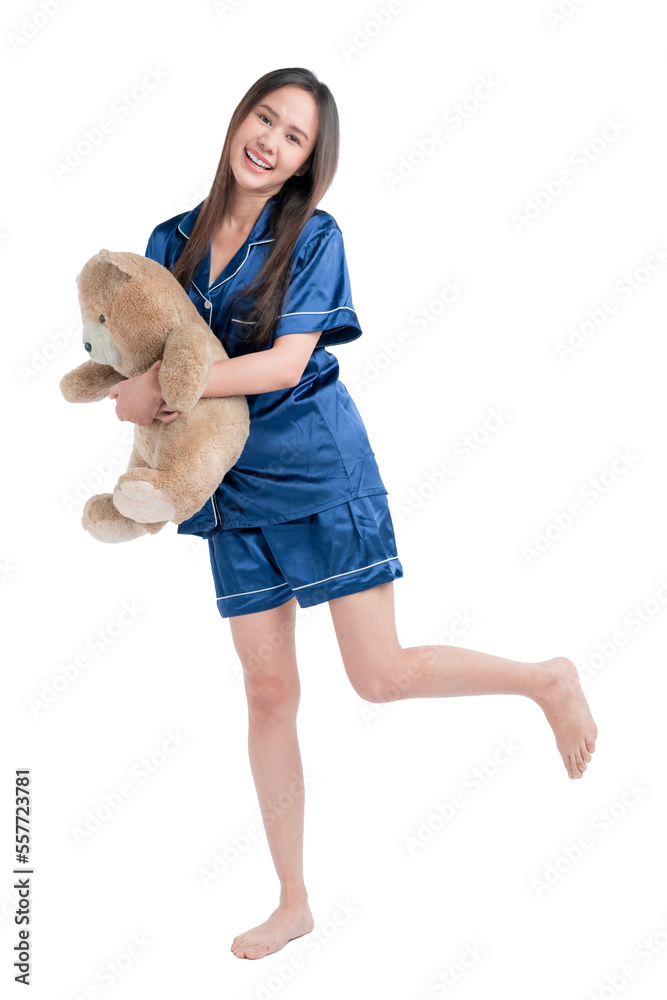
166 415
139 399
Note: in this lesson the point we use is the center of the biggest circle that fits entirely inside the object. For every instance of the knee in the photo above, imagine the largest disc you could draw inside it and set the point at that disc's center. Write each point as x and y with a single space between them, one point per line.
271 695
369 689
382 682
369 682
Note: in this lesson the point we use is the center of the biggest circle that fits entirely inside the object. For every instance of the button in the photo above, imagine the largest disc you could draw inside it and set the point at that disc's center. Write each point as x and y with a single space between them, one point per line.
207 305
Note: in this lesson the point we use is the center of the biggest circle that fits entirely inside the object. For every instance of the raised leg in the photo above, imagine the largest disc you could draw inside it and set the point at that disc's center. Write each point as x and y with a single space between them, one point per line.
265 644
380 669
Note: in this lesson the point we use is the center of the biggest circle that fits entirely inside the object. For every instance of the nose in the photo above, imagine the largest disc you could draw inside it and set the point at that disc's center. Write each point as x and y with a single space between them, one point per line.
265 143
88 347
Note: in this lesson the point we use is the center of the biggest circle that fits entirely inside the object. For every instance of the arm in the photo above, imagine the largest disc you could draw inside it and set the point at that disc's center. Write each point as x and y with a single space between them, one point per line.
185 368
140 398
280 367
89 383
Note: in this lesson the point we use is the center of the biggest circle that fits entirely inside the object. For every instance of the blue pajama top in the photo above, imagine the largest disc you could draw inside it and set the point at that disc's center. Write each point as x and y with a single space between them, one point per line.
307 449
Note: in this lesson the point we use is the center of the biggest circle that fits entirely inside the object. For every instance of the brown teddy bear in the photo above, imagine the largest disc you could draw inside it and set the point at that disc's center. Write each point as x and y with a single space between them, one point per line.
135 313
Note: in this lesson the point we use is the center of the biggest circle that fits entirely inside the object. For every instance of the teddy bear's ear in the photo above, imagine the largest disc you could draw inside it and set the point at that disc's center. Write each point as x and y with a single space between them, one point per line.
125 262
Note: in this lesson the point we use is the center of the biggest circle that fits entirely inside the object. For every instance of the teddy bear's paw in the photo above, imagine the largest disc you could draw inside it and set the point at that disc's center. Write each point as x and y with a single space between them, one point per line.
117 531
143 502
103 521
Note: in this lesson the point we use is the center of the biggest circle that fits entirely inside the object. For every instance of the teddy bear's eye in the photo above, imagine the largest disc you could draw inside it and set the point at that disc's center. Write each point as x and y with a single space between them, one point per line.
102 319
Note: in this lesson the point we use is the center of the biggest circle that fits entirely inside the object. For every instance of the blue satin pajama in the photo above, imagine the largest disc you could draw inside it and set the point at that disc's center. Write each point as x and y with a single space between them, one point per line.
304 508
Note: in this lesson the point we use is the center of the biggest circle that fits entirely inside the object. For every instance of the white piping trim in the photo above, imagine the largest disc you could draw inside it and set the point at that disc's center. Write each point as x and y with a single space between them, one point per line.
260 591
336 575
256 244
326 578
205 298
322 312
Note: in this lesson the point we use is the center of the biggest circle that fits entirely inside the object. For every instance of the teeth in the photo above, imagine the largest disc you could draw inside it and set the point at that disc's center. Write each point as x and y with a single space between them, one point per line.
255 160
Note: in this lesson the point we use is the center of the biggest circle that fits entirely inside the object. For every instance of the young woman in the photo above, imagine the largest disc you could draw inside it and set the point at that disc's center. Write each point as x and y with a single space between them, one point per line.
303 515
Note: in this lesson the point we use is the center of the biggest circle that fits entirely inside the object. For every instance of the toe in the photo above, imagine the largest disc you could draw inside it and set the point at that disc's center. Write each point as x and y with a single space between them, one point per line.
257 950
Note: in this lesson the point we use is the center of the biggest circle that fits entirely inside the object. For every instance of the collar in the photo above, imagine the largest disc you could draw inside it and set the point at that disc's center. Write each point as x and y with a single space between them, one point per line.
259 231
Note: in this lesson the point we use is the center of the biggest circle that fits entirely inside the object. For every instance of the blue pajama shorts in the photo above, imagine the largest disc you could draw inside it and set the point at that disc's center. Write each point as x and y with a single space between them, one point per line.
342 550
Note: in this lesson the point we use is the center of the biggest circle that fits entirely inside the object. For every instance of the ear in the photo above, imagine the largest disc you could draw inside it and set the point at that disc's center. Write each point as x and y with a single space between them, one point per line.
305 167
128 263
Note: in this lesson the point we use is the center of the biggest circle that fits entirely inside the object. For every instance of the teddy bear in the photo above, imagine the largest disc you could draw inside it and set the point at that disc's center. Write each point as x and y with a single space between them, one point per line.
135 313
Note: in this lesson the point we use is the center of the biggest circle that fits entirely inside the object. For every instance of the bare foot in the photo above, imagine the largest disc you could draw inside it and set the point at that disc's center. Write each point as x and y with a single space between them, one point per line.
288 921
565 706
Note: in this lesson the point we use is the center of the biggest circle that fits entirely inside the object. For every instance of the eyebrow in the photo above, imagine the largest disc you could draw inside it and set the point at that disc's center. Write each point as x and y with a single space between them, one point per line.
276 115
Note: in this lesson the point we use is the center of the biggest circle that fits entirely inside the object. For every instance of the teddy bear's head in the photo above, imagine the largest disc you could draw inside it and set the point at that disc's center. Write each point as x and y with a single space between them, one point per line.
129 305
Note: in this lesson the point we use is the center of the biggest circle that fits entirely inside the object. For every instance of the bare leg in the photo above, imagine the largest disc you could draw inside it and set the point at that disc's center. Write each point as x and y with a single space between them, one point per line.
380 669
265 644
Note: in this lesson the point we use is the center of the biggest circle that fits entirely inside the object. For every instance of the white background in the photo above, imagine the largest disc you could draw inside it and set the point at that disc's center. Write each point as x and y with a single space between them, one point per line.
375 777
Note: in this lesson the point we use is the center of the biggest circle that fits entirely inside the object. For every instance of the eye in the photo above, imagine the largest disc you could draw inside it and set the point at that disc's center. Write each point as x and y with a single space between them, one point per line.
296 139
102 319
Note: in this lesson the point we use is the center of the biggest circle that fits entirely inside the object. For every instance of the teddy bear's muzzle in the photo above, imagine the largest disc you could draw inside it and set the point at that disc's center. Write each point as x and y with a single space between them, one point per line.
99 343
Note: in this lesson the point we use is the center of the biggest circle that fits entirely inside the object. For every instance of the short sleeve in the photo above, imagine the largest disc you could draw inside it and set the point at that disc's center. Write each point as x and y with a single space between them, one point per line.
150 247
157 246
319 295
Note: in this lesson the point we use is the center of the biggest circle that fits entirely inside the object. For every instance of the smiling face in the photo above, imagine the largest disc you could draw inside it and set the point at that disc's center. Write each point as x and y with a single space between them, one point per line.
280 132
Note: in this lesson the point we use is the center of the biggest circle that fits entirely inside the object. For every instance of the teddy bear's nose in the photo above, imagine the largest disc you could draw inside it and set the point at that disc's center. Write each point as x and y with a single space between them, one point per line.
88 347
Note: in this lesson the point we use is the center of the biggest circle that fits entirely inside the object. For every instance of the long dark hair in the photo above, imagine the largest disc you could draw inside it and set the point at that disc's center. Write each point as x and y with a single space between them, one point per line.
294 203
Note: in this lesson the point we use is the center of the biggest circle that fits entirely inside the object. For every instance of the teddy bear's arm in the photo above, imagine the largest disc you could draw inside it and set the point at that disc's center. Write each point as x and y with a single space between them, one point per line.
89 383
186 367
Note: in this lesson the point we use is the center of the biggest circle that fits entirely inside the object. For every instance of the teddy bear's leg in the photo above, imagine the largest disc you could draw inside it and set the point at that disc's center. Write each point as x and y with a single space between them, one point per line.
140 495
104 522
188 459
